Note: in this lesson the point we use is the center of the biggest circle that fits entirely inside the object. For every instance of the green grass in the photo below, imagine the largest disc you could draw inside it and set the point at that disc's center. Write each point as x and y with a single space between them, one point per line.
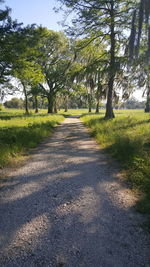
127 138
73 112
19 133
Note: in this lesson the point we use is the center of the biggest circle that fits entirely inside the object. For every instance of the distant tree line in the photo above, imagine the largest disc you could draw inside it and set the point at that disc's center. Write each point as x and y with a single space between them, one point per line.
73 103
105 56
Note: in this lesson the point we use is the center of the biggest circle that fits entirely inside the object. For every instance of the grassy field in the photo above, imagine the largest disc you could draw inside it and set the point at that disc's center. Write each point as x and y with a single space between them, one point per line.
18 133
127 139
72 112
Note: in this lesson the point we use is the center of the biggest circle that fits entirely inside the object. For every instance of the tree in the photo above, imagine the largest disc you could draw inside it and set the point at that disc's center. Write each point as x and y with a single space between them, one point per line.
8 28
18 55
90 68
139 46
87 56
26 67
14 103
132 103
147 106
105 20
34 92
55 61
144 82
140 27
78 96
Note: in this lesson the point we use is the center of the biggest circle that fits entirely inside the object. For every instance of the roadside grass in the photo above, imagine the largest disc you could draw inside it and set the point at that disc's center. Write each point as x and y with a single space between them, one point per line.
127 138
19 133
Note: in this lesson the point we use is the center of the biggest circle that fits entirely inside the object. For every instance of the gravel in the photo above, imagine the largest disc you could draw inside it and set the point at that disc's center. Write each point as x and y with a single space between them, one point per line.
67 208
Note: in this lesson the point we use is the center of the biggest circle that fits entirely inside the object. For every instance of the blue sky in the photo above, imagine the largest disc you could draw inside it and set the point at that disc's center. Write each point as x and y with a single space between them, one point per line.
35 11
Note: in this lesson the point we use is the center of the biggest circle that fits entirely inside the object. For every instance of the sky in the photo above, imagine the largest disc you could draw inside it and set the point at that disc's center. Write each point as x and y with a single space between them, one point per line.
36 11
41 12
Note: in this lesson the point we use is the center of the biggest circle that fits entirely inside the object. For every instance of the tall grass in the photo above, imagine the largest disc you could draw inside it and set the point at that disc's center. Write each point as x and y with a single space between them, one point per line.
18 133
127 138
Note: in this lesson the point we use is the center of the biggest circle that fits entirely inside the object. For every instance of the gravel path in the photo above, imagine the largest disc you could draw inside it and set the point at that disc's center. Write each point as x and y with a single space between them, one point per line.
66 207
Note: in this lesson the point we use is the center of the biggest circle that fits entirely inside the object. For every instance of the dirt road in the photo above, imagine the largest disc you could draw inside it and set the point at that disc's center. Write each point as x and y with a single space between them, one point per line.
66 207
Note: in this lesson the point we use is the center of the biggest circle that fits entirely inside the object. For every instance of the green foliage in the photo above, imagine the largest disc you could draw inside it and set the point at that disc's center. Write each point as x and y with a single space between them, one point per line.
18 133
7 28
14 103
1 107
26 66
127 139
55 60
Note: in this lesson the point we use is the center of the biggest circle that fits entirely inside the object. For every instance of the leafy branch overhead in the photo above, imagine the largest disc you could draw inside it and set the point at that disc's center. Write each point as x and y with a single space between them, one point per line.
105 51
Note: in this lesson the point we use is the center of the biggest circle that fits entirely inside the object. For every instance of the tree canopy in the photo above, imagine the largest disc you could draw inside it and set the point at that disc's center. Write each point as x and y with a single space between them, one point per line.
104 53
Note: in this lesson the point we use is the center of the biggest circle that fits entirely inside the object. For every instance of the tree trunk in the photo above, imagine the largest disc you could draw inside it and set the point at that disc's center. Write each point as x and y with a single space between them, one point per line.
36 105
50 103
26 99
80 102
98 94
109 109
42 103
66 103
90 102
147 106
55 107
97 106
